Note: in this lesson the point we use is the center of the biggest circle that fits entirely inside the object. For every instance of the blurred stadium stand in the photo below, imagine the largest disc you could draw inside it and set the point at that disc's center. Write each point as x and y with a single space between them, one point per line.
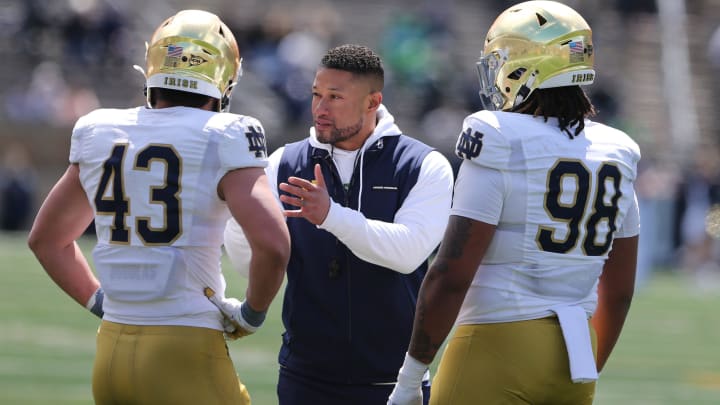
62 58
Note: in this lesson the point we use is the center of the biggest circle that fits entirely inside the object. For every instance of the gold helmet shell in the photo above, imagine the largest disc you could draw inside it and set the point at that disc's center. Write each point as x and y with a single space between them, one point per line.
193 51
534 45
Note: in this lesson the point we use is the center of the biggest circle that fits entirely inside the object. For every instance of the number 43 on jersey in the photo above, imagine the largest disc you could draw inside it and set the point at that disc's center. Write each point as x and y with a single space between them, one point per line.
110 198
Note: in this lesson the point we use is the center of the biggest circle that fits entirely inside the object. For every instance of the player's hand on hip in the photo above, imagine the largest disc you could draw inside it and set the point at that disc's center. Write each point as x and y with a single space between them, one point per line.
311 197
235 316
95 303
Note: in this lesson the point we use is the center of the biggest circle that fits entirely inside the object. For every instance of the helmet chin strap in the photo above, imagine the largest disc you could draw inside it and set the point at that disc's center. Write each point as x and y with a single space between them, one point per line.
145 89
525 90
139 68
225 101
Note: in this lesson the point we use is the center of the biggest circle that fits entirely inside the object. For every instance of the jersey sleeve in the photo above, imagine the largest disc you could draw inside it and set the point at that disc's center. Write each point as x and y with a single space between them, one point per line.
631 223
78 137
479 193
482 143
243 145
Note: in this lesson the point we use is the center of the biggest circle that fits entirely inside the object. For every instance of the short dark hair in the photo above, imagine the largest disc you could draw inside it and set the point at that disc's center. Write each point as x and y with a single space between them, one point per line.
357 59
569 104
178 97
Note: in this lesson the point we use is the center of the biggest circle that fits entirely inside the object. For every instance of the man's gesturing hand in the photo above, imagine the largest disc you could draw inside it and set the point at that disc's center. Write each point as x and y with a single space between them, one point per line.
311 196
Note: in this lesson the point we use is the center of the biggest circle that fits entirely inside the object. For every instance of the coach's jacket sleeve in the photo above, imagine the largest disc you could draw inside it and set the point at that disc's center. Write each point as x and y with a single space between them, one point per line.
418 226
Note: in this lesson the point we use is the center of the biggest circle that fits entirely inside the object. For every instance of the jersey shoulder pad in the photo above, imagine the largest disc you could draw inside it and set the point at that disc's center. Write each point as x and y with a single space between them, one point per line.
619 143
100 116
87 123
482 142
632 147
234 124
242 136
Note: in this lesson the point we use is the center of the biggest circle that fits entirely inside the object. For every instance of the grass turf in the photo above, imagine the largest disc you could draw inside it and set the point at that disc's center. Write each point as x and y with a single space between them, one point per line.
667 355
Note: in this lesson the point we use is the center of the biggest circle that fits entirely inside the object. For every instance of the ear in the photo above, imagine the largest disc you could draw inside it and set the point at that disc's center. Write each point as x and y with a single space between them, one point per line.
375 99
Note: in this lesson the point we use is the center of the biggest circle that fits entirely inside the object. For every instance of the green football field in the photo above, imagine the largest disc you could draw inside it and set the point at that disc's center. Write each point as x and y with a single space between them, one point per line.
669 353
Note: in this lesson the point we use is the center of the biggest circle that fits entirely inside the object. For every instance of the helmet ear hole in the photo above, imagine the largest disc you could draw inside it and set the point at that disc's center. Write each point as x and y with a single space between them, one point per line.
517 74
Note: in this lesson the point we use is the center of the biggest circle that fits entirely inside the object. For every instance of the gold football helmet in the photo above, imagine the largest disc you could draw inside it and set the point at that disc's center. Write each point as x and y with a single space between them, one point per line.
534 45
193 51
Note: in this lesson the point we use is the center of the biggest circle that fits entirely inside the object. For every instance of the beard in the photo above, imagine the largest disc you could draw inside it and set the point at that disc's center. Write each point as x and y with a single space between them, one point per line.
336 134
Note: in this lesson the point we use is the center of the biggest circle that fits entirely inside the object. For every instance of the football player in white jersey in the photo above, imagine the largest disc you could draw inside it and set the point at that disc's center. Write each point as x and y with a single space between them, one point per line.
160 182
536 269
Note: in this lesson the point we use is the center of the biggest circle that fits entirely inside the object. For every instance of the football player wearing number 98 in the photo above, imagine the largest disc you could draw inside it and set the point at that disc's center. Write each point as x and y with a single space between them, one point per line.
160 182
536 268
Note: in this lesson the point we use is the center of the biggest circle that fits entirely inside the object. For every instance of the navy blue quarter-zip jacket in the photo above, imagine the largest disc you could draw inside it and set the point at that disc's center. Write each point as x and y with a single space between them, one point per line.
347 320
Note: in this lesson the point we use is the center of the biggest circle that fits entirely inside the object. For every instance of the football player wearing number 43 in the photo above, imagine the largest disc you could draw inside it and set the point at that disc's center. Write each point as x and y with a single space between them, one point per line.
160 182
536 268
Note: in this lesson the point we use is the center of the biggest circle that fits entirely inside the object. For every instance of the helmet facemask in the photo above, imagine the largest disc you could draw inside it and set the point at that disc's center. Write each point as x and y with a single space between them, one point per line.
488 67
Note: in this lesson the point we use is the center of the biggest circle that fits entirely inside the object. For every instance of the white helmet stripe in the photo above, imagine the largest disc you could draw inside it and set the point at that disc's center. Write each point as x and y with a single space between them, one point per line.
576 77
183 83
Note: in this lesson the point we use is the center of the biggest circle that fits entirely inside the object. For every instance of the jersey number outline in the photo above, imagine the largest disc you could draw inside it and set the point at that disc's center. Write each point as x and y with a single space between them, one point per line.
572 213
117 204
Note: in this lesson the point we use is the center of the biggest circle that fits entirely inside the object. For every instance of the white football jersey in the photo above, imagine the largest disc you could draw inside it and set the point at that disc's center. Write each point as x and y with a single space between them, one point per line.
558 201
151 176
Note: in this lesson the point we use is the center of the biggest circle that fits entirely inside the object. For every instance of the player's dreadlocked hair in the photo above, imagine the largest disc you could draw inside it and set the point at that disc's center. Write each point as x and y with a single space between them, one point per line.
357 59
569 104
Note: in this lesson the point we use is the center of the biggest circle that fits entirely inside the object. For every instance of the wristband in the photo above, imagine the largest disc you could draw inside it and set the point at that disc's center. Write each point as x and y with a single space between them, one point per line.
95 303
251 316
412 370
